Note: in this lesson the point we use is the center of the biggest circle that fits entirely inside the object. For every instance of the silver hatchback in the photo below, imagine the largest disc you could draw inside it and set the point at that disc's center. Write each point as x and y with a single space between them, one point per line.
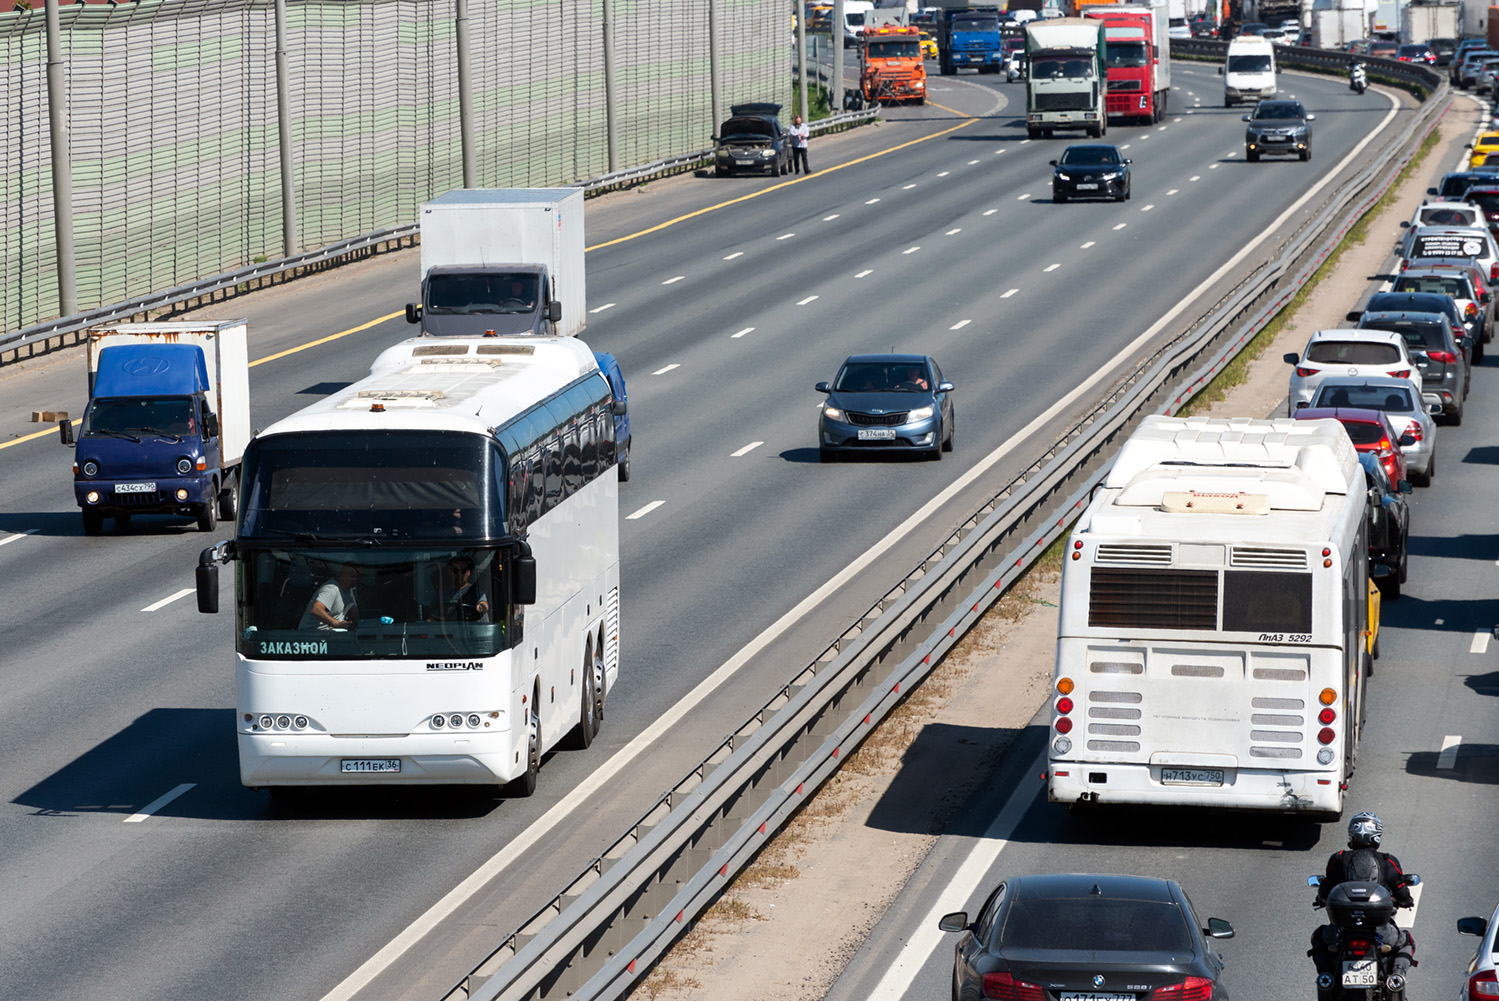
1400 401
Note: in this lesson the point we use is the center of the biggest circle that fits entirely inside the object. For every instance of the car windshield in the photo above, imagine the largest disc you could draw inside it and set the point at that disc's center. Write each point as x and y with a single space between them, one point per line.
489 293
894 50
1090 156
1353 353
170 415
1056 69
1435 284
1278 111
1412 51
883 377
1103 924
1249 64
1363 397
1126 55
975 24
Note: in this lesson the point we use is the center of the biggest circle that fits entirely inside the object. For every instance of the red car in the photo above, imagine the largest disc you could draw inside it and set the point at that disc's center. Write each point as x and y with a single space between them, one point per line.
1370 430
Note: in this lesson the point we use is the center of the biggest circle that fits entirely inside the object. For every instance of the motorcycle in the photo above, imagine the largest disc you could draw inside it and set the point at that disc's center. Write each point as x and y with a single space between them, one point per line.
1363 914
1358 78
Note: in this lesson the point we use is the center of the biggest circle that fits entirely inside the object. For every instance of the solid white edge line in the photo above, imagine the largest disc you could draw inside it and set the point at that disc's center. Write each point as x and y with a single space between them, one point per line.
605 773
1447 758
645 510
18 535
159 802
926 937
746 449
164 602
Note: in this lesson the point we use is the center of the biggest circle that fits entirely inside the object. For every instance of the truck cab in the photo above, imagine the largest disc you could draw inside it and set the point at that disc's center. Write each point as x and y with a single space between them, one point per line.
460 300
1249 73
969 36
891 67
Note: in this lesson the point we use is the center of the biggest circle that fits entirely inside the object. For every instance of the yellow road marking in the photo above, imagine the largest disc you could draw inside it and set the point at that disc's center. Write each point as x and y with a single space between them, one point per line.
324 340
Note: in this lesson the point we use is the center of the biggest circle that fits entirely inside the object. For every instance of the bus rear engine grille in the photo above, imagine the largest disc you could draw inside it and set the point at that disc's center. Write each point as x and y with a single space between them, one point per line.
1249 556
1159 556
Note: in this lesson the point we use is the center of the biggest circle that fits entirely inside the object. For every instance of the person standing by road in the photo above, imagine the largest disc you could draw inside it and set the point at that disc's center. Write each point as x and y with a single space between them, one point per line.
799 133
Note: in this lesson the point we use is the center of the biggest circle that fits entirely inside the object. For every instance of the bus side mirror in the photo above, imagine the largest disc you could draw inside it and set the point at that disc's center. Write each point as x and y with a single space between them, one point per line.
413 312
524 569
208 588
554 310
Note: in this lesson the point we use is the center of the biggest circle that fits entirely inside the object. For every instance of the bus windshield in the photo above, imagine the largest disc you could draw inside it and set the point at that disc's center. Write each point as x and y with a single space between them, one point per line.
444 602
373 485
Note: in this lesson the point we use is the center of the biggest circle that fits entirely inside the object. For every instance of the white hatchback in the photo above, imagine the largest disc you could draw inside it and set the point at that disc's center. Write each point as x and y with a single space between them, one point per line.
1483 980
1347 354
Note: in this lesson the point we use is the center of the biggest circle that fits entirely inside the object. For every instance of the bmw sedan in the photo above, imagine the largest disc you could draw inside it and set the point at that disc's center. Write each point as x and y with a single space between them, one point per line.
1090 170
886 401
1130 938
1278 128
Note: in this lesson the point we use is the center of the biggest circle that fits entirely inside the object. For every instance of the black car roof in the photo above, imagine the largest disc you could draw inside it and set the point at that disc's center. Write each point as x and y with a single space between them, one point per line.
1413 315
1380 302
1054 885
892 358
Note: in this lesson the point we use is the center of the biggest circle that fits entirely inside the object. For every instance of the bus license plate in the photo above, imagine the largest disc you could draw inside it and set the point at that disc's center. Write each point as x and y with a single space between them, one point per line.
876 434
1192 776
135 488
372 764
1360 973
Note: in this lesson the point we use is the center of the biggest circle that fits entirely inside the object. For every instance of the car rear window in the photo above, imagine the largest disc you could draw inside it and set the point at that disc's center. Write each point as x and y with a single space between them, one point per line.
1103 924
1455 287
1363 432
1353 353
1416 334
1388 398
1446 215
1447 245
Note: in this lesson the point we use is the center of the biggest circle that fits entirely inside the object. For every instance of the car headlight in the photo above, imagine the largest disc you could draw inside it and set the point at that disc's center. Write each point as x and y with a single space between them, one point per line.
920 413
767 152
1111 175
833 414
1062 177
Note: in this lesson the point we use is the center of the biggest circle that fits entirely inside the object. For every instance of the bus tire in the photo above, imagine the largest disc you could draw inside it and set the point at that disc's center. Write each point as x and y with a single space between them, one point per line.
590 711
228 504
524 784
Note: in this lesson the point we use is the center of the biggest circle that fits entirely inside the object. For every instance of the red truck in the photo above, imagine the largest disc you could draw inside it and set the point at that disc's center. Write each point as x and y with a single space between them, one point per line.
1138 57
891 65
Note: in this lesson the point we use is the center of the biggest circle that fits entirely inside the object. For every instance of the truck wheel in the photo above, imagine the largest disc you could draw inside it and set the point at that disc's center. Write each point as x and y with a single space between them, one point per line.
1032 133
93 521
228 502
624 466
122 521
206 520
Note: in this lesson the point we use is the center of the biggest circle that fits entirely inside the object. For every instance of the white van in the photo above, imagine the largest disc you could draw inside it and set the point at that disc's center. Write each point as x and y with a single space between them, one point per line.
1249 74
855 16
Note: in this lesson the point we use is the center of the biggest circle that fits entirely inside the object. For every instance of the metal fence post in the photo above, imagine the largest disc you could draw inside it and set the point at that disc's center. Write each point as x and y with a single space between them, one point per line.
835 35
465 94
801 56
283 128
610 113
62 167
713 64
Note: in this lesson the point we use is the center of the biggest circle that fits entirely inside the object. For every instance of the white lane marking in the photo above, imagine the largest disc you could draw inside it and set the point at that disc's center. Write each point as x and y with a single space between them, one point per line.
944 173
1440 622
991 211
1161 128
644 511
908 187
1023 197
1051 267
871 201
998 151
746 330
927 938
1195 177
663 371
600 309
1480 642
164 602
1125 146
1172 191
584 792
1120 226
158 803
864 273
953 232
830 218
1448 756
786 237
1212 166
746 450
803 302
960 325
1024 141
1176 119
1009 293
910 250
972 162
1146 208
673 281
737 253
1407 918
19 535
1087 245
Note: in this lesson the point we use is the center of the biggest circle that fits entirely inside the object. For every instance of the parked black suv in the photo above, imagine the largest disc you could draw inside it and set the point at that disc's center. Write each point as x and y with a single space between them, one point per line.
753 139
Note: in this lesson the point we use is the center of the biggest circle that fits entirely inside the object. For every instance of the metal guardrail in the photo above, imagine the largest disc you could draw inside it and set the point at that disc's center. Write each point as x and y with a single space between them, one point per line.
68 330
600 936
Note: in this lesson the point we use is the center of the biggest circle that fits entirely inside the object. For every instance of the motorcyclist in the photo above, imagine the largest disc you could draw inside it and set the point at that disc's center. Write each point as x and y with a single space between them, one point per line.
1362 861
1355 69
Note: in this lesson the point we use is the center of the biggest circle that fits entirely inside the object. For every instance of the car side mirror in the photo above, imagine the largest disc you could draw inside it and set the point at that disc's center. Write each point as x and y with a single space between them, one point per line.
206 578
1246 118
619 408
1128 160
956 921
1291 359
1404 486
413 313
211 425
1431 191
823 387
1218 928
945 387
1405 224
1052 162
1314 881
1485 298
1302 404
65 430
1473 926
524 569
1354 315
1220 70
1434 409
554 310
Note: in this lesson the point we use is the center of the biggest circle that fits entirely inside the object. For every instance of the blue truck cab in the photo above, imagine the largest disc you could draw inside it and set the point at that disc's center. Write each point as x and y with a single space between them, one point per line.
969 37
160 435
610 367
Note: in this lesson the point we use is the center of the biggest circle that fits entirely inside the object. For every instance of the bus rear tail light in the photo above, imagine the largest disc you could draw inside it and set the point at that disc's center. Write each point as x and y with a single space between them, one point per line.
1064 725
1191 989
1326 716
1064 705
1483 985
1328 696
1003 987
1064 686
1326 735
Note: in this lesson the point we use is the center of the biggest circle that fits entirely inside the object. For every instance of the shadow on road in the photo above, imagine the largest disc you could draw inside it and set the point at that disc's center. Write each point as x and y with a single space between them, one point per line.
1473 763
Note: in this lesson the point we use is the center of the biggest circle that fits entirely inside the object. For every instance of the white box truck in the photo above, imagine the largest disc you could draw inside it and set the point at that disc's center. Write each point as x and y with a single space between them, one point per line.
502 260
1423 22
167 422
1335 26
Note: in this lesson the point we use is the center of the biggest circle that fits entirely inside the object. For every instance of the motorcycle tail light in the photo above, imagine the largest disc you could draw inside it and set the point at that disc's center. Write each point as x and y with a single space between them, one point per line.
1191 989
1483 985
1003 987
1357 946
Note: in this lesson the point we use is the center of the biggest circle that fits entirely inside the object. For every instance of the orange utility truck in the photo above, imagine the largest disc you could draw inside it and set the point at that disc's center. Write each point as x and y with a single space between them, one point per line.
891 68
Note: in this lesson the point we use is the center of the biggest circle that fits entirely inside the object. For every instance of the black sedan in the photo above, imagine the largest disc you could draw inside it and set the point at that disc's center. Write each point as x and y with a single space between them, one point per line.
1278 128
1090 170
1389 524
1104 938
887 402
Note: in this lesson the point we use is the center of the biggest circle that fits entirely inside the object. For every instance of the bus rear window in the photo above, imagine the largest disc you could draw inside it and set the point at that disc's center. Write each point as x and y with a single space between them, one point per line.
1267 602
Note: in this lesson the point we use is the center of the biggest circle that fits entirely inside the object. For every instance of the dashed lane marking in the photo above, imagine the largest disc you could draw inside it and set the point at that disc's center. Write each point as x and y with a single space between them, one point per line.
644 511
1447 758
746 450
864 274
909 250
960 325
600 309
673 281
786 236
1009 293
953 232
1172 192
18 535
803 302
991 211
164 602
1087 245
1480 642
1051 267
1023 197
1120 226
156 804
746 330
1146 208
663 371
830 218
737 253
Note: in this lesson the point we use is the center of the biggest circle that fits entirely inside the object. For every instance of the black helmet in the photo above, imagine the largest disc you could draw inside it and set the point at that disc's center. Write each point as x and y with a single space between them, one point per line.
1365 830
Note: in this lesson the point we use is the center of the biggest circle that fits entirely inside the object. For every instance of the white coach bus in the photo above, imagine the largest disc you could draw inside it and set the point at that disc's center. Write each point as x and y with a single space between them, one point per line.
1211 636
427 582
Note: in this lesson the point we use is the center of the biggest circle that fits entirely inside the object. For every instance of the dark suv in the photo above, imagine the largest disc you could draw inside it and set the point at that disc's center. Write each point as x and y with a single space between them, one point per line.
1278 127
1434 347
753 139
1475 307
1423 302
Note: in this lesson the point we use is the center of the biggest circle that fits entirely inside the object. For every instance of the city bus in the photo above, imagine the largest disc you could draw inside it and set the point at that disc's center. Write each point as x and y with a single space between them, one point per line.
1212 629
427 571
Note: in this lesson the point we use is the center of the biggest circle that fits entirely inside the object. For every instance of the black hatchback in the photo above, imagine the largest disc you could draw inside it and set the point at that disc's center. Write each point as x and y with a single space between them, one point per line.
1066 936
1090 170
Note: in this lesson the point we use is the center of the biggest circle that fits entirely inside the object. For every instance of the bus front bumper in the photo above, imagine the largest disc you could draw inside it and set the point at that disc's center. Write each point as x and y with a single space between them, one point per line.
287 759
1241 788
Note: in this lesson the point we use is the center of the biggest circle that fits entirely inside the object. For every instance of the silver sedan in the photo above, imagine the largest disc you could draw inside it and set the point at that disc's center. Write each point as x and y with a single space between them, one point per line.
1402 403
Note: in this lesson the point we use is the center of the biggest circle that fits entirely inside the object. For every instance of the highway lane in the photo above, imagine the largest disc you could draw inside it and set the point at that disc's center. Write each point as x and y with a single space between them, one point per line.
113 707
